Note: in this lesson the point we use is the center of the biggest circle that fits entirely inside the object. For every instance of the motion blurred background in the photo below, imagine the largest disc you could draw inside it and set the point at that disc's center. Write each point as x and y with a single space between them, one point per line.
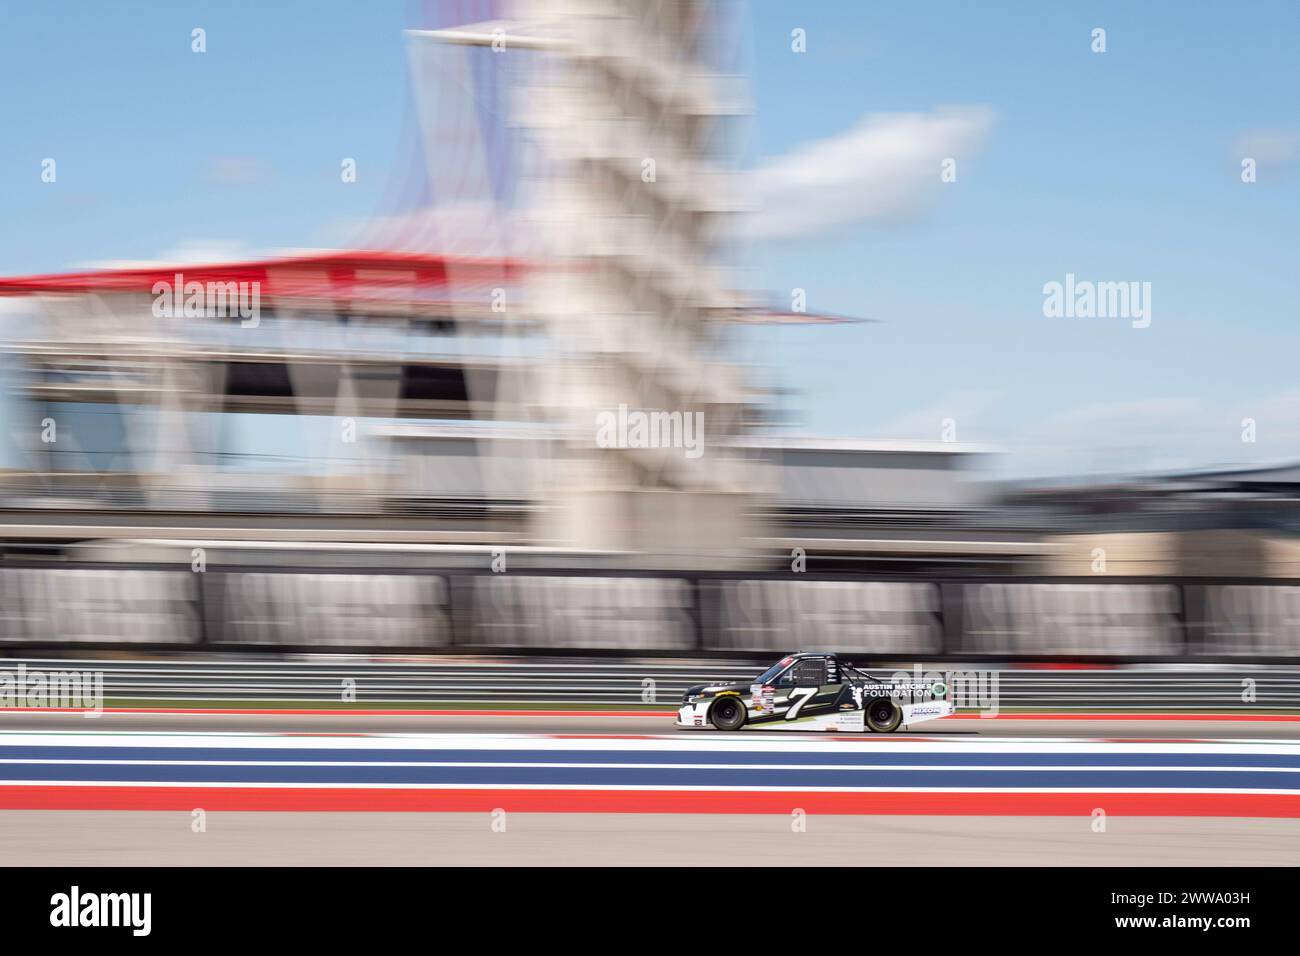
421 436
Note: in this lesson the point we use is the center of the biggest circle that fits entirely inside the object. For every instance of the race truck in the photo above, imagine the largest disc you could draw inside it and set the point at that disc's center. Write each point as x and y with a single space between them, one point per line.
814 691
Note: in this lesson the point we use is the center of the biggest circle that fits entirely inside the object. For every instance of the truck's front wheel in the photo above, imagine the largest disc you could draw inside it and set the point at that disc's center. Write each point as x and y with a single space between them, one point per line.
727 713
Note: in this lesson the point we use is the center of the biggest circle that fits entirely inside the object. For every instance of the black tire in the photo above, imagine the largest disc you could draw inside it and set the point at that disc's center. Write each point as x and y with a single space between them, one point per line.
727 713
883 715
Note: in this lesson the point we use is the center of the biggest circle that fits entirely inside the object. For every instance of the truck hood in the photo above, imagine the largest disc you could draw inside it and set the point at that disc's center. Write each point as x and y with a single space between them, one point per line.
741 687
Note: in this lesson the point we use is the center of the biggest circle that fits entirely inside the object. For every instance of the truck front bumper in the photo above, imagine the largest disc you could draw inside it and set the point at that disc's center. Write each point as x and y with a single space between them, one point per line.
693 716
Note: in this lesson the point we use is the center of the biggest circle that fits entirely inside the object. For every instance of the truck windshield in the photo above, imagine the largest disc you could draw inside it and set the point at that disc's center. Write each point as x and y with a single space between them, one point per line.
769 675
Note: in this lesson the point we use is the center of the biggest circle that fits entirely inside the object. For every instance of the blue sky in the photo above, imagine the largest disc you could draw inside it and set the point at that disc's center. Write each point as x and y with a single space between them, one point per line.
1115 167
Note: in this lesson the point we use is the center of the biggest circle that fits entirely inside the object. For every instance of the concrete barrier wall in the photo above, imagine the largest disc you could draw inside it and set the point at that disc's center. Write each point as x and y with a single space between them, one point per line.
713 615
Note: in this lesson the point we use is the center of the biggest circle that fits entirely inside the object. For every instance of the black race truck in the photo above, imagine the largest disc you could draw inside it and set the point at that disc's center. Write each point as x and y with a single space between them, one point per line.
814 691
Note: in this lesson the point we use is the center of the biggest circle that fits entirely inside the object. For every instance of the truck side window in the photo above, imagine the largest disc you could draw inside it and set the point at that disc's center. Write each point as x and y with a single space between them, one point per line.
810 673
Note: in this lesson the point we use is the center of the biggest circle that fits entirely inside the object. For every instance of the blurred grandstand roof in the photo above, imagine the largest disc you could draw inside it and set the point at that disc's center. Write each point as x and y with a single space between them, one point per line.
355 277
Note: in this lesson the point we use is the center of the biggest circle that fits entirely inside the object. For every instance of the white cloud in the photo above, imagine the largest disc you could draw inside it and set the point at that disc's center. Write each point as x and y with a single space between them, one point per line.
1157 435
968 409
236 171
197 251
1116 439
187 252
1274 150
882 168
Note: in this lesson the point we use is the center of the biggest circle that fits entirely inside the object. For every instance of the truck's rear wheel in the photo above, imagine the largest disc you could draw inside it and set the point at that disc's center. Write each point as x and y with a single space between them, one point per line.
883 715
727 713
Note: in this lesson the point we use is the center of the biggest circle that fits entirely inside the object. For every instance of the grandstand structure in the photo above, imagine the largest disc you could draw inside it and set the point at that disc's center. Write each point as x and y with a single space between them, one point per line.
364 408
441 388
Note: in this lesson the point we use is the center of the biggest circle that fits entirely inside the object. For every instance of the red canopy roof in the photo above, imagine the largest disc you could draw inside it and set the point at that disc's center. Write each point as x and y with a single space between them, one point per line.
389 276
397 278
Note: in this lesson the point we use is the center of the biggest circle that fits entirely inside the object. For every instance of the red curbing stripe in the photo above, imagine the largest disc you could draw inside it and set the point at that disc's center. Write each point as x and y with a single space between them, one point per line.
416 800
